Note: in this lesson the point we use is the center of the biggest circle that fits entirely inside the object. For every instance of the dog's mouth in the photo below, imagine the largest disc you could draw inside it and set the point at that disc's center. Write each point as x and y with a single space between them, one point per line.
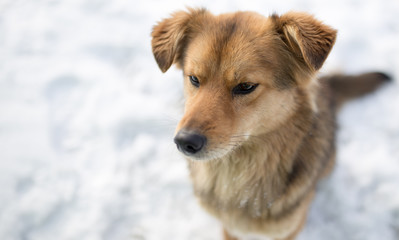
196 146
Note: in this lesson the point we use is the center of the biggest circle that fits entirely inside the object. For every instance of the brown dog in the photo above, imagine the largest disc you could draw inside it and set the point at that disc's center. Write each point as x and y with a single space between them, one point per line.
259 128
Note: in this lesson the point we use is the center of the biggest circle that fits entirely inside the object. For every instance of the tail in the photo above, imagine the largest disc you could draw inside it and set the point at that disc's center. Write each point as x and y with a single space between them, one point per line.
345 87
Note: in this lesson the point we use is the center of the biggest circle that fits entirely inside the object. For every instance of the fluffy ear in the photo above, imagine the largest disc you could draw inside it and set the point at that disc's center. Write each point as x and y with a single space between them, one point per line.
306 37
170 36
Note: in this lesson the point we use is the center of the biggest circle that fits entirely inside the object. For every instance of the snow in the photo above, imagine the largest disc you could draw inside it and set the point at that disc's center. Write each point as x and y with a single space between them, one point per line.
87 120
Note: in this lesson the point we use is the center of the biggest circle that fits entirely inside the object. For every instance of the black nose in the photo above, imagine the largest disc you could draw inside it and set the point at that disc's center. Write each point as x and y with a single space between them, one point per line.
189 143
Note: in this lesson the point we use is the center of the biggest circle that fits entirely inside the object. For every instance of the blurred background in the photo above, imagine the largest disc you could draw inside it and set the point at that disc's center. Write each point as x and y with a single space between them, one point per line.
87 122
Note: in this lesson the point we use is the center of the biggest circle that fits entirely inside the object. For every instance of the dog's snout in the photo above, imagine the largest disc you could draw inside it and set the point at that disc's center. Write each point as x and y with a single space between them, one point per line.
189 143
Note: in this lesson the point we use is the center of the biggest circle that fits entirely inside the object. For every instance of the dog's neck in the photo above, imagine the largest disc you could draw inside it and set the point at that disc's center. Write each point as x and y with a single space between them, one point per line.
257 174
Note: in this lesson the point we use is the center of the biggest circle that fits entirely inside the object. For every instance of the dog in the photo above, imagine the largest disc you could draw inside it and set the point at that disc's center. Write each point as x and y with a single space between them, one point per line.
259 127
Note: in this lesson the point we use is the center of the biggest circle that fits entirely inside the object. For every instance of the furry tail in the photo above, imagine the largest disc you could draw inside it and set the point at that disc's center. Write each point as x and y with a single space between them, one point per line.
346 87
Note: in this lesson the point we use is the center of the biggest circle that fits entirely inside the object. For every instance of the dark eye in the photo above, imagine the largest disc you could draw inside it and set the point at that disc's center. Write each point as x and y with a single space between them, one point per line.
244 88
194 80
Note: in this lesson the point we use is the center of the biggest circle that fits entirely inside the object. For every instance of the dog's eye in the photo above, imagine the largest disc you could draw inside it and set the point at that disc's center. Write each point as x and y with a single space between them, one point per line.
194 80
244 88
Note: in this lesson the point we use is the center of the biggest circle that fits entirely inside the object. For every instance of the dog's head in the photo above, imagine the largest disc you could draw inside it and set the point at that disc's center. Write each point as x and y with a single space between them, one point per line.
243 73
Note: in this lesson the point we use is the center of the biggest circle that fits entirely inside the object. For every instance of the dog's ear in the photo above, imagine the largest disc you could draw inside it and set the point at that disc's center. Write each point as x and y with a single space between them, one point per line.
306 37
170 36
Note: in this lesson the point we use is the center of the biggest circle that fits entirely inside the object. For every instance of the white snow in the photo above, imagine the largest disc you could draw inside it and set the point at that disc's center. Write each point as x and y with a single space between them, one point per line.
87 121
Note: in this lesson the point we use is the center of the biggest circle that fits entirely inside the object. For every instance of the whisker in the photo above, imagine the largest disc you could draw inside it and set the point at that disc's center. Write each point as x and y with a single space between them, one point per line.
250 138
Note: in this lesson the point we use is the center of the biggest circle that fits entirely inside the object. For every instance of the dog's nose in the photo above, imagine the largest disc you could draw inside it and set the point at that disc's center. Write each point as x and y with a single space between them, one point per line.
189 143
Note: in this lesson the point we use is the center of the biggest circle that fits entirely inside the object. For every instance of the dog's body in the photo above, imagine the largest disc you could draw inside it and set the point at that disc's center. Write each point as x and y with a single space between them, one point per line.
259 128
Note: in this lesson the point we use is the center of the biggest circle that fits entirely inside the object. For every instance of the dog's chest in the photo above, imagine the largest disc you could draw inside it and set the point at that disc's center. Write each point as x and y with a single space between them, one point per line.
247 236
223 190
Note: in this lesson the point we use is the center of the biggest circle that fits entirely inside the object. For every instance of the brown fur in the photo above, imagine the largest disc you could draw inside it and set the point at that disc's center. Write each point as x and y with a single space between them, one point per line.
348 87
266 150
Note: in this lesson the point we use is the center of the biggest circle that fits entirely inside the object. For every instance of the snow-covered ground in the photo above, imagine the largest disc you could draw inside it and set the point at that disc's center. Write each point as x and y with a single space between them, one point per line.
87 121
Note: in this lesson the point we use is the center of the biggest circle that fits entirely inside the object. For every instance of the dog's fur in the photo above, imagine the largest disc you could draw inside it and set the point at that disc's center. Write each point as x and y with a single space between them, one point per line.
266 150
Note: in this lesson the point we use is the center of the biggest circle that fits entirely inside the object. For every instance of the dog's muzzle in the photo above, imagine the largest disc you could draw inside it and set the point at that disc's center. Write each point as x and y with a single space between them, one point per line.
189 143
